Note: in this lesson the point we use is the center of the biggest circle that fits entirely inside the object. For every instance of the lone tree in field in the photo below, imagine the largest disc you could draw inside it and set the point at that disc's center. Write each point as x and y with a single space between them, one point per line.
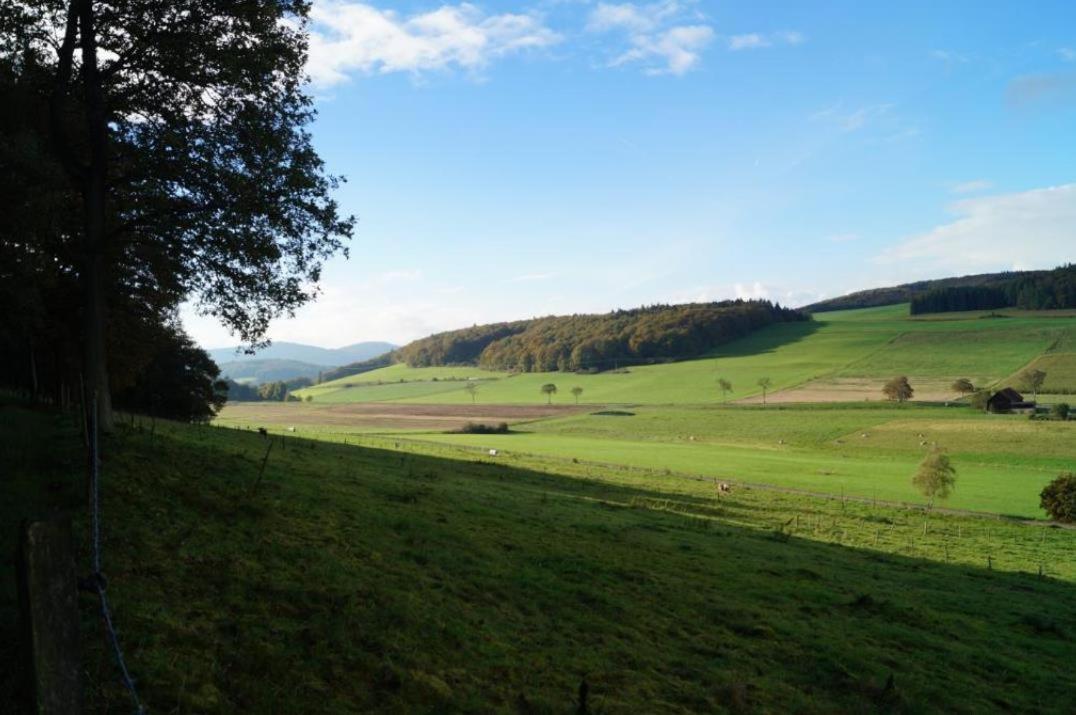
549 389
764 383
471 389
1032 380
1058 498
898 389
936 477
725 386
577 391
963 386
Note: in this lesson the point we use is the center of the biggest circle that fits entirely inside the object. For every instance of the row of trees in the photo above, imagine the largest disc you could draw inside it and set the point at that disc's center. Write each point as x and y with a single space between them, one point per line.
152 152
597 342
277 391
1045 290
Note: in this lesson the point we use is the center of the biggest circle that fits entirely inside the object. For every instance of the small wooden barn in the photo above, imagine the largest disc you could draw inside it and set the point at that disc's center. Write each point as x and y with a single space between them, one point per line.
1007 400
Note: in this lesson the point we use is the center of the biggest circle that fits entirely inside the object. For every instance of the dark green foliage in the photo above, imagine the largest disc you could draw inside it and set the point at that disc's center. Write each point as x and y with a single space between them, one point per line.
277 391
1060 411
1040 290
180 382
909 291
1059 498
942 300
152 152
479 428
597 342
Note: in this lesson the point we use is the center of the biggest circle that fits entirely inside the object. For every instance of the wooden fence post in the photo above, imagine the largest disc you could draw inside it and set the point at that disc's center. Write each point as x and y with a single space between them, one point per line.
48 600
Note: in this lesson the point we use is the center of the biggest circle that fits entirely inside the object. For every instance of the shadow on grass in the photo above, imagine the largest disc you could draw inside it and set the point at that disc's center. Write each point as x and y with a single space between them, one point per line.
364 579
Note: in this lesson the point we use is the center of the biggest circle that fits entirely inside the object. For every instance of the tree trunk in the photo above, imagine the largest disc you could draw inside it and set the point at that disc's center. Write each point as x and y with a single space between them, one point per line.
95 355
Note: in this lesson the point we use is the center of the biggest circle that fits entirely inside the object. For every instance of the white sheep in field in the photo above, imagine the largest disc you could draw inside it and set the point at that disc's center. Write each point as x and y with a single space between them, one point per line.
493 453
291 429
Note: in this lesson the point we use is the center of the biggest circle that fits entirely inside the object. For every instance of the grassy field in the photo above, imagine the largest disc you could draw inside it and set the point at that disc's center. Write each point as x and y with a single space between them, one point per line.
1003 461
365 579
840 356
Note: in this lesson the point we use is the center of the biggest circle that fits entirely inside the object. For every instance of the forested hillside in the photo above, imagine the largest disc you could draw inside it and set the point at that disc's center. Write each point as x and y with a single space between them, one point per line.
1041 290
597 342
906 292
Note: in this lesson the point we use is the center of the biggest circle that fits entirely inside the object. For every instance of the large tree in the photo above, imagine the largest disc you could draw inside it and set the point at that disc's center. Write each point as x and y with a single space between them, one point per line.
181 130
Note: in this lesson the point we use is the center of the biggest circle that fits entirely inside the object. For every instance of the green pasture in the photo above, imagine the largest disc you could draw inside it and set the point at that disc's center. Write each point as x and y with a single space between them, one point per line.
360 579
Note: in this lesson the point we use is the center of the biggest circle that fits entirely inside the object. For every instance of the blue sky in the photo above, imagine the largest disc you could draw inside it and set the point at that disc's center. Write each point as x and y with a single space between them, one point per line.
513 159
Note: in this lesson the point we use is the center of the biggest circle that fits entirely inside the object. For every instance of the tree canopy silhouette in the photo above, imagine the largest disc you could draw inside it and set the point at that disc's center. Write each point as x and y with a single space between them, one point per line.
177 157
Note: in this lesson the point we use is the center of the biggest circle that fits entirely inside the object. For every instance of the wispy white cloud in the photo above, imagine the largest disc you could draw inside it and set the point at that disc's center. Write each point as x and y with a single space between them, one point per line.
1034 228
851 120
755 40
1068 54
663 37
971 187
348 38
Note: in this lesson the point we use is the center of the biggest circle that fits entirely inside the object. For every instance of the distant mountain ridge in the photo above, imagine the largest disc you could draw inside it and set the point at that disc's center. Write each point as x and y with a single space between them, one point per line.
257 372
311 354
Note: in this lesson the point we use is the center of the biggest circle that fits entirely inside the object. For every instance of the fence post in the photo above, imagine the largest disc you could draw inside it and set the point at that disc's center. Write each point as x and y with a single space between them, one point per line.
48 601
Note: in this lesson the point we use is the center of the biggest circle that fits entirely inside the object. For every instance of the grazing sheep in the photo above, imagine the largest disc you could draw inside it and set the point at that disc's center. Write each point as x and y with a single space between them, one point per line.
780 441
723 488
864 435
291 429
493 453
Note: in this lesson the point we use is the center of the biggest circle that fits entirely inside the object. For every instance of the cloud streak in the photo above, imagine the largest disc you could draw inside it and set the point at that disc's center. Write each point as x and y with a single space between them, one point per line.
662 38
348 38
1034 228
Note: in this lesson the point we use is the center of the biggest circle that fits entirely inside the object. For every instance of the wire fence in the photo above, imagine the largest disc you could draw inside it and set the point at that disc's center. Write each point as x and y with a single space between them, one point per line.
97 582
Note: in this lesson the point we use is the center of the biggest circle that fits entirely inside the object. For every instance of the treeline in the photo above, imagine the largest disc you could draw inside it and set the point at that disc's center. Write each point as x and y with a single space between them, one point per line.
908 292
597 342
277 391
1043 290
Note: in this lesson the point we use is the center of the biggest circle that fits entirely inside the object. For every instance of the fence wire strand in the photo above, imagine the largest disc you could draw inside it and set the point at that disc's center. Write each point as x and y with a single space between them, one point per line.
98 579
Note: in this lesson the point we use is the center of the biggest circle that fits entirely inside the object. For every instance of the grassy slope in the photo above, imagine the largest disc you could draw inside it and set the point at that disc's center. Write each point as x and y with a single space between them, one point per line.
873 343
367 580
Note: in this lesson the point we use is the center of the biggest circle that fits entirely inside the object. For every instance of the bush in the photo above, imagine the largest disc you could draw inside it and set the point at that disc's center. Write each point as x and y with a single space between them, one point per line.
479 428
1060 411
979 400
1058 498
